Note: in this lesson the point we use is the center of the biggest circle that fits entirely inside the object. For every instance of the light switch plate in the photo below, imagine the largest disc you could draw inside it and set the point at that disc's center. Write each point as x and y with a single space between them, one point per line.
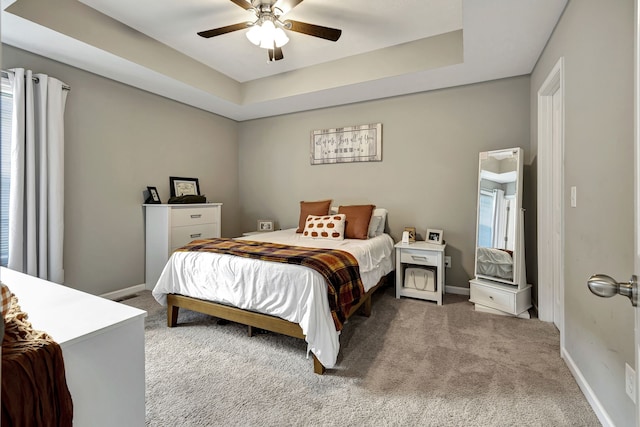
630 381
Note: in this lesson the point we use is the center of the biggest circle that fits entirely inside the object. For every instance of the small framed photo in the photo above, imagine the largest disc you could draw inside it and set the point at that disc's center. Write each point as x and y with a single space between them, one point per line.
265 225
434 236
153 196
412 234
183 186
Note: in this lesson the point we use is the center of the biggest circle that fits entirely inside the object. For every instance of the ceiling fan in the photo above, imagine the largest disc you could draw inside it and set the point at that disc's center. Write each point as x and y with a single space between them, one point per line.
268 30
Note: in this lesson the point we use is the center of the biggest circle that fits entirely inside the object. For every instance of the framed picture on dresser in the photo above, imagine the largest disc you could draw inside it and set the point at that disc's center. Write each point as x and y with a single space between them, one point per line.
153 196
183 186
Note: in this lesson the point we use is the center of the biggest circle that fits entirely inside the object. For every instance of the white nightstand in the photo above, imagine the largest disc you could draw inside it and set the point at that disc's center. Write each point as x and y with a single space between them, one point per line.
425 254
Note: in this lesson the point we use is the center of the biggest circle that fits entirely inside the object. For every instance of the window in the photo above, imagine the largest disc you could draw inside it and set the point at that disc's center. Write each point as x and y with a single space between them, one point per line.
485 219
6 108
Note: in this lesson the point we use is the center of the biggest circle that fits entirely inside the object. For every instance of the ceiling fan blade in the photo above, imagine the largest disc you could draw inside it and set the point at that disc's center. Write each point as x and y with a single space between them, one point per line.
275 54
244 4
286 5
326 33
223 30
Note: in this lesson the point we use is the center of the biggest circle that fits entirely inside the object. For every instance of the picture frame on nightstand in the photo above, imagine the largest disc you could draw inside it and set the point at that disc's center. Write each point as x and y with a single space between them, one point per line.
412 234
434 236
266 225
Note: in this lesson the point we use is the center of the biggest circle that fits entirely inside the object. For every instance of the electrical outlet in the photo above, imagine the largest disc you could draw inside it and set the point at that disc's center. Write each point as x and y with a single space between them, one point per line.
447 261
630 381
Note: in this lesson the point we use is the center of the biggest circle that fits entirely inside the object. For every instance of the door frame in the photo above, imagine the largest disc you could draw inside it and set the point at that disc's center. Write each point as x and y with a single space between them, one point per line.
636 191
551 194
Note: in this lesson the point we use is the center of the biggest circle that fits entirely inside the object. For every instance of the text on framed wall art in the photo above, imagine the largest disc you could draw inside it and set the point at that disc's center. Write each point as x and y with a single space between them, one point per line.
361 143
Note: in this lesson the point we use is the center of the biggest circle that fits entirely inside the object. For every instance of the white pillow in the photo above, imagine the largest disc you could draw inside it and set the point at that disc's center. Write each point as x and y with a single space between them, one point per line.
325 227
376 225
382 213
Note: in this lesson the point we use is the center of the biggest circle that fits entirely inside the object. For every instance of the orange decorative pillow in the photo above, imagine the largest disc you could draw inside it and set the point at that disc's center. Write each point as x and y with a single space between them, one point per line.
312 208
325 227
358 217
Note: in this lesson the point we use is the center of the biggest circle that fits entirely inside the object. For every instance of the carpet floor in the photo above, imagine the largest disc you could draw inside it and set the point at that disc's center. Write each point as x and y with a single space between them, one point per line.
411 363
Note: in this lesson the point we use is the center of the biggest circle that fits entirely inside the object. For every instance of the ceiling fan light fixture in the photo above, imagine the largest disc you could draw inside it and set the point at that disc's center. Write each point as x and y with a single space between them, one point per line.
268 31
255 34
280 38
265 34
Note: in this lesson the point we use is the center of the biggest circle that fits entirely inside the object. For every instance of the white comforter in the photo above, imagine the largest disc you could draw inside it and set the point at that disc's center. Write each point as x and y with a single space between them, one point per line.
295 293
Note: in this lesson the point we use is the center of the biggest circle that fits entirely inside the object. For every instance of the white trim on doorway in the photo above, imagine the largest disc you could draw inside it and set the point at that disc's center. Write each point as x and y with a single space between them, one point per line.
636 191
551 199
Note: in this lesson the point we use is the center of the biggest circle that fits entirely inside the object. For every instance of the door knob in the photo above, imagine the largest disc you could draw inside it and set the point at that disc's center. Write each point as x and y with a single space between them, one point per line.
605 286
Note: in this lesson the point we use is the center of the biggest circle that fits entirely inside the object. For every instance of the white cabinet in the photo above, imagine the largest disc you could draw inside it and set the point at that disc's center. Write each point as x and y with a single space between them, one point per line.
102 344
500 298
420 254
169 227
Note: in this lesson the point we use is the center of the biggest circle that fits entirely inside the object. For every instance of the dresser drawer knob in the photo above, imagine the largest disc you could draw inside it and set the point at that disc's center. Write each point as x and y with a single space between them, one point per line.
490 297
196 215
418 258
193 236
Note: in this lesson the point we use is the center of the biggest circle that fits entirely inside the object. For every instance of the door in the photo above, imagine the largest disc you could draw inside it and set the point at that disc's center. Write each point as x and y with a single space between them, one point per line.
608 285
550 198
557 196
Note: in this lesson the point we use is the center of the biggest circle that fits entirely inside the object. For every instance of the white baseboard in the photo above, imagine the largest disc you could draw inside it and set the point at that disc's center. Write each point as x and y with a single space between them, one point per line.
457 290
116 295
587 391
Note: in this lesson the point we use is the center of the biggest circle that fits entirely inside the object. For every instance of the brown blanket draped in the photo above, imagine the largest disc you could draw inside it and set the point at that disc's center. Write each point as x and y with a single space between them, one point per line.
34 386
339 268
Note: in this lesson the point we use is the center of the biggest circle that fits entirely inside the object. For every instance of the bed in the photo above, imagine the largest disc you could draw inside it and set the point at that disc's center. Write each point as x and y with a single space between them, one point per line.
283 298
495 263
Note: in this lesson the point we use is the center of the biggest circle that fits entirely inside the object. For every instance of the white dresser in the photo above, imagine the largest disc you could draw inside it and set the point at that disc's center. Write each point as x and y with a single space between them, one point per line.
102 344
169 227
500 298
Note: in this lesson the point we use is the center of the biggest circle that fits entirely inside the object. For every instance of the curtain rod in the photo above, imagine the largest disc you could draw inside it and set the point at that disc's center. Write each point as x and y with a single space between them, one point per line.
34 78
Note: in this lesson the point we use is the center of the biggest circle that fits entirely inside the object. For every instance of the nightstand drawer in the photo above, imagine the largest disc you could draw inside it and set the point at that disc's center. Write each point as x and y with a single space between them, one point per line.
493 297
192 216
180 236
410 256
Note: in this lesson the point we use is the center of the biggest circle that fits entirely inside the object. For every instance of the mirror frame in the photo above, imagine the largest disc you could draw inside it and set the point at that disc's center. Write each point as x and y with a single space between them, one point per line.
518 248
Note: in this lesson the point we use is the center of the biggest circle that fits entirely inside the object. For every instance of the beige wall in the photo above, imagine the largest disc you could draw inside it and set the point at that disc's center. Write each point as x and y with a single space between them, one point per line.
596 40
428 175
119 140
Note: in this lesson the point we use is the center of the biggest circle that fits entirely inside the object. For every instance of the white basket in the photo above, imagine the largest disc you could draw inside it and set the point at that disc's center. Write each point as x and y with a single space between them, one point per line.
421 279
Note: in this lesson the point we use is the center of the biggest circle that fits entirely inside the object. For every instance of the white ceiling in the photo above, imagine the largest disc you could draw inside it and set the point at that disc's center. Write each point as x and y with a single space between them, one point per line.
366 26
387 48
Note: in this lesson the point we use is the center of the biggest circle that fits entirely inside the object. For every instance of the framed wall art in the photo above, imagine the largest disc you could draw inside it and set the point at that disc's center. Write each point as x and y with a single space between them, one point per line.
361 143
183 186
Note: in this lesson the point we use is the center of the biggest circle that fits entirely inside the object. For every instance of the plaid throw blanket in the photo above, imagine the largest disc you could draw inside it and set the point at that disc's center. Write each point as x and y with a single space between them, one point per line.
339 268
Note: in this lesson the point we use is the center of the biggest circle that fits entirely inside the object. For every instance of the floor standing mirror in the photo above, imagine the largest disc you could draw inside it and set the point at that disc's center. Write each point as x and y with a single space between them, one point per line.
500 284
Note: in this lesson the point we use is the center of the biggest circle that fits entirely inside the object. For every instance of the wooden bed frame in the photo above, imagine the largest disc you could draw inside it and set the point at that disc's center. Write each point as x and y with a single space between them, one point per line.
258 320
